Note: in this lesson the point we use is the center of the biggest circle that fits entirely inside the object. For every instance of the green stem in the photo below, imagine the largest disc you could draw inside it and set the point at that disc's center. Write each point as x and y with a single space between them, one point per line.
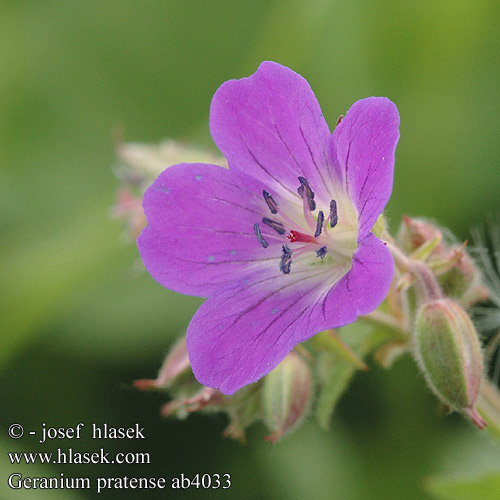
385 322
426 286
402 261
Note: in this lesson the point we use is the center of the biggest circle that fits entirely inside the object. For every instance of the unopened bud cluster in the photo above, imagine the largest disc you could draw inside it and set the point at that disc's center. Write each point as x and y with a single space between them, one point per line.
445 342
454 269
279 401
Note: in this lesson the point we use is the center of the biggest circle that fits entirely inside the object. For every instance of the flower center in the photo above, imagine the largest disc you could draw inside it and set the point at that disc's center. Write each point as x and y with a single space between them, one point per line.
306 233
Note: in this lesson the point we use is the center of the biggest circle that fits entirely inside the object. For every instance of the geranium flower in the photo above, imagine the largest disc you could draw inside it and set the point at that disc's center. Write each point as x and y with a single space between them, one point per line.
280 242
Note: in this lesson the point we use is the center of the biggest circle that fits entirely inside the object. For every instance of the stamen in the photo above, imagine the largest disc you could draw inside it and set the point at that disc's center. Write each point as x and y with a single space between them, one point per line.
277 226
319 223
272 205
261 239
321 252
333 217
306 189
304 242
286 260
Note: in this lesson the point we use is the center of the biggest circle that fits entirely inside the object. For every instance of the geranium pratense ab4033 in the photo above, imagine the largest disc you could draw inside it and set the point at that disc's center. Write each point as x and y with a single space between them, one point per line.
280 242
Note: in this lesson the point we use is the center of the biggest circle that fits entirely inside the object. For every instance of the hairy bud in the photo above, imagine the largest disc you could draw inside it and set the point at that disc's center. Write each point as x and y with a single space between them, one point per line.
176 363
463 279
286 393
414 233
448 351
149 160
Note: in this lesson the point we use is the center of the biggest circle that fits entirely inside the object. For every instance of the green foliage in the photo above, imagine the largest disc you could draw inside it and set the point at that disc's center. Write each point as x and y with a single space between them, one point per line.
484 487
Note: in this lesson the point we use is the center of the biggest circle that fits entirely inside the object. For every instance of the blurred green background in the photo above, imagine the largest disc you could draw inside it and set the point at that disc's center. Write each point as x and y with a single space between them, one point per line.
79 319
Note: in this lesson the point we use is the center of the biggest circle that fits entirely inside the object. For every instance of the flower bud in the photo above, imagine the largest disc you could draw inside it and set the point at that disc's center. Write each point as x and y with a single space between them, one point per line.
149 160
128 207
463 279
448 351
176 363
204 398
286 394
455 270
413 233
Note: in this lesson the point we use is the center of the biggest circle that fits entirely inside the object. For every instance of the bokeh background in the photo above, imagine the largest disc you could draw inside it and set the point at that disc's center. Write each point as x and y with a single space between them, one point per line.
79 318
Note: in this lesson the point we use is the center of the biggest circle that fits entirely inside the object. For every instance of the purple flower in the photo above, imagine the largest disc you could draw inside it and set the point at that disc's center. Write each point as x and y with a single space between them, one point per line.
280 242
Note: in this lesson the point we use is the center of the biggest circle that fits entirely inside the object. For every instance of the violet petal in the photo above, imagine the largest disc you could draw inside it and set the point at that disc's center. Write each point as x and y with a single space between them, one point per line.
270 126
200 232
364 144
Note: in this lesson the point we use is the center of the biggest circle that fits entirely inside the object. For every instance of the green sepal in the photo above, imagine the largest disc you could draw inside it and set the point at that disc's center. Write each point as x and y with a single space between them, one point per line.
335 370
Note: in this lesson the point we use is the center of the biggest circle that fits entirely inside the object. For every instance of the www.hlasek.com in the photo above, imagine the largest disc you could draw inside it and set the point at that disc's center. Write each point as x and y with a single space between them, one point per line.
18 481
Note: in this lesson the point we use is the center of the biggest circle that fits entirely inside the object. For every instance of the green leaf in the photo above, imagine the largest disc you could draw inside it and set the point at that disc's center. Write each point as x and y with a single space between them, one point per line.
485 487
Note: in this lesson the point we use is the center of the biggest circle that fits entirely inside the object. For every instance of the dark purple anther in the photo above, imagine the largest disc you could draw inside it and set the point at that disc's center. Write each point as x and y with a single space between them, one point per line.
277 226
319 223
333 217
286 259
261 239
306 189
321 252
272 205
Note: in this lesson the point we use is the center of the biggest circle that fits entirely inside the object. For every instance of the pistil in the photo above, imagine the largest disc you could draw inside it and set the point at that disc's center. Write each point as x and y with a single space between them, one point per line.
296 237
